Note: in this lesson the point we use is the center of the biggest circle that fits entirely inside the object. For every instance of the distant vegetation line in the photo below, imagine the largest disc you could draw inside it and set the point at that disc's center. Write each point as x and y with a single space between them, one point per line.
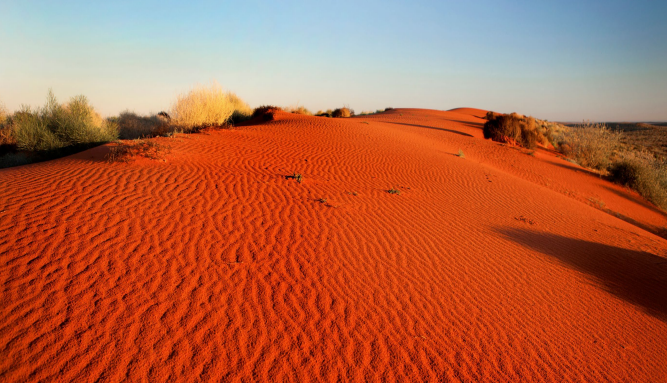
55 130
631 154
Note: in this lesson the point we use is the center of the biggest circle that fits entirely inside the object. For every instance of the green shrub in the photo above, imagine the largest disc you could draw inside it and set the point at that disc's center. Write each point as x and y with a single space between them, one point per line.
56 126
591 145
31 131
643 173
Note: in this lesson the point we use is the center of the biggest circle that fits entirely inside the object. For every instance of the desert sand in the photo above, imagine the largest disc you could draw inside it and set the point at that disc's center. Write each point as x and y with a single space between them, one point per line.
213 266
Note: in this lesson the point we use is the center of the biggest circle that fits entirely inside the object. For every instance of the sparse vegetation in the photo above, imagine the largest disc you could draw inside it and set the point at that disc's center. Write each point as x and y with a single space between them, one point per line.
125 151
208 106
299 110
590 145
461 155
644 173
327 113
295 176
322 200
52 131
393 191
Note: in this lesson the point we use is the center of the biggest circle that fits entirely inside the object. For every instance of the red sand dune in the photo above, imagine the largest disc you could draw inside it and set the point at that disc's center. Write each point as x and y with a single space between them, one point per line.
212 266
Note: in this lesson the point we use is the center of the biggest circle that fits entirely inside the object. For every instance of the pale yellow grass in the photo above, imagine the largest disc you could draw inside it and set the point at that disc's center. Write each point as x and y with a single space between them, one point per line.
208 106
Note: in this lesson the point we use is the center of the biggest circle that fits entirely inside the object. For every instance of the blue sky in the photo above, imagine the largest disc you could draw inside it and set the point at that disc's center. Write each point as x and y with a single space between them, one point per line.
560 60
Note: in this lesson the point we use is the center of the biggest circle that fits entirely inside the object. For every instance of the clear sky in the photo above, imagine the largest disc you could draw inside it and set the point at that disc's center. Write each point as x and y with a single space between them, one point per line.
560 60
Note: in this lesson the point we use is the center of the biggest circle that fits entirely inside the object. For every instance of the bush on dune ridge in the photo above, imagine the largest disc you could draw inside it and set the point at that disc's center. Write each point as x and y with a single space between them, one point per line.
265 112
132 126
56 126
513 129
208 106
342 112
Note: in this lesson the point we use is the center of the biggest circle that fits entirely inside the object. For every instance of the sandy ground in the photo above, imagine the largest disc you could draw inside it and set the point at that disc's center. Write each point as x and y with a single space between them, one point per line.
212 266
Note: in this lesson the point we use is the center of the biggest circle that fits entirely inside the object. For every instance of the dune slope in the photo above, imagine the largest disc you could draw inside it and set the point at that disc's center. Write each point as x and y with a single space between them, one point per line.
213 266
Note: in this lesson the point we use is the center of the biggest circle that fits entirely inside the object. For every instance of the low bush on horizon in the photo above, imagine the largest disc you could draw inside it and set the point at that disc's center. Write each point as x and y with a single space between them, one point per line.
342 112
326 113
644 173
208 106
298 110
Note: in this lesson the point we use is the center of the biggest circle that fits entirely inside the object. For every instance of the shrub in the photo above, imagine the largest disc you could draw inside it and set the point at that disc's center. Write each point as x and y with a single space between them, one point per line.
58 126
265 112
591 145
643 173
207 106
513 129
341 112
132 126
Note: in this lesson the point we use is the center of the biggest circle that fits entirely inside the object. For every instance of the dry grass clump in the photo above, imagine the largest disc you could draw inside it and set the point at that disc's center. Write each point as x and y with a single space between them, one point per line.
3 114
552 131
128 150
299 110
590 145
342 112
514 129
207 106
644 173
131 125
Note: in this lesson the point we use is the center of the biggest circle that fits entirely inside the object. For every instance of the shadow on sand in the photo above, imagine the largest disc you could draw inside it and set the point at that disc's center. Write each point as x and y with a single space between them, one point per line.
637 277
